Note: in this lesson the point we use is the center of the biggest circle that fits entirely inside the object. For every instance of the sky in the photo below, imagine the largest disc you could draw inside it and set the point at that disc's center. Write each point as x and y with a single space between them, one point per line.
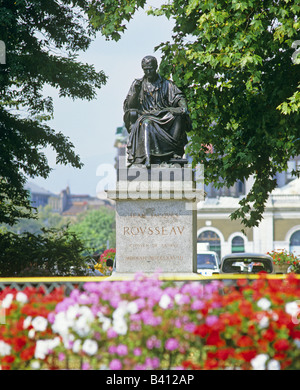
91 125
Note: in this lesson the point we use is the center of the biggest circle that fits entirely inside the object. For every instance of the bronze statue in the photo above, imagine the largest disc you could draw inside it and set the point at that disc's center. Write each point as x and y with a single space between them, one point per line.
156 118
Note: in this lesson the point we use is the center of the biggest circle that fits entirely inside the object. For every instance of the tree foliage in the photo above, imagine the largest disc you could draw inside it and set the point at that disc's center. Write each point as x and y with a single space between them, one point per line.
235 61
95 228
51 253
44 218
42 40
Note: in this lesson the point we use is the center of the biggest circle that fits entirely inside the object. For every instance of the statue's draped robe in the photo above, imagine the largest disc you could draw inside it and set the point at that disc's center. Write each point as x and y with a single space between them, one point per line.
155 104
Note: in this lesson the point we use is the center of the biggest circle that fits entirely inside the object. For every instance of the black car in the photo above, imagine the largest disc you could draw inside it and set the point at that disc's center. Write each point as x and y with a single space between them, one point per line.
246 263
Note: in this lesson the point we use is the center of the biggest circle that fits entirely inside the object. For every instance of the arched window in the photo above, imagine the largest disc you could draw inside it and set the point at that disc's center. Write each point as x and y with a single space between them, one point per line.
295 243
237 244
213 239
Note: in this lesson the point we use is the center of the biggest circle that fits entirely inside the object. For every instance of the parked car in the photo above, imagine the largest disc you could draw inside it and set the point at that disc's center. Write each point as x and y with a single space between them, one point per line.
208 263
246 263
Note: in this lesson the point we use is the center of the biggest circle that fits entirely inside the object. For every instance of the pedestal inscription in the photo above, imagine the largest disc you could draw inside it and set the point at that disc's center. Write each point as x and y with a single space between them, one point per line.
154 235
156 222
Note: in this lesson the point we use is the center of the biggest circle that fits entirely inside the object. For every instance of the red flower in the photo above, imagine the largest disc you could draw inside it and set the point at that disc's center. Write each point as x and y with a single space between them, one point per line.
224 354
230 318
8 359
210 364
190 365
244 341
28 353
245 308
269 334
201 330
263 345
215 339
19 343
281 345
248 354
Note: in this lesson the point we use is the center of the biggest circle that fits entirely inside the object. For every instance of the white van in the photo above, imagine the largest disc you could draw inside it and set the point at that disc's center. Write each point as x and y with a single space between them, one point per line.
208 263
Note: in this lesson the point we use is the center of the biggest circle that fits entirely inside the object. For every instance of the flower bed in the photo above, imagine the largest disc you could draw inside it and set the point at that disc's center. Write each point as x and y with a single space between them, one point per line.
101 264
25 332
150 324
284 260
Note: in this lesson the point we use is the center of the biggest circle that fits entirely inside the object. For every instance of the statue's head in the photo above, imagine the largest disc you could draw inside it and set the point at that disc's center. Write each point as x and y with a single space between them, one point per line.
149 62
149 65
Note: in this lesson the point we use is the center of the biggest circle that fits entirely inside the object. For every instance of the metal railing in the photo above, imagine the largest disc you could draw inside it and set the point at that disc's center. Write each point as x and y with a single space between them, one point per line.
70 283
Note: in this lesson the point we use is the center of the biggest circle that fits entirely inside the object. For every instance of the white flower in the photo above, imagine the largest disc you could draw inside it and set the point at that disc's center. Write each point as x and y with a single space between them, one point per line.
87 313
132 308
7 301
72 312
61 325
120 325
39 324
43 347
76 346
54 343
81 325
259 362
164 302
273 365
68 340
264 303
120 311
4 348
90 347
27 322
264 322
275 316
31 333
106 322
178 298
35 365
21 297
293 308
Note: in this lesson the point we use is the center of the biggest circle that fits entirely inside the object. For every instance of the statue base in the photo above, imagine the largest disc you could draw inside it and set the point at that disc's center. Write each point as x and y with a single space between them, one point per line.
155 222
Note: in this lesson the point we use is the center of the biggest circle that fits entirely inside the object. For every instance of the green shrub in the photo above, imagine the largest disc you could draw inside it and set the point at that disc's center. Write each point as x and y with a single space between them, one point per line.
54 252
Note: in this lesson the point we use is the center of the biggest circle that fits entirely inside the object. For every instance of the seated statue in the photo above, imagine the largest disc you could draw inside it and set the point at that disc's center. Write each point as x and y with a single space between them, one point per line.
156 118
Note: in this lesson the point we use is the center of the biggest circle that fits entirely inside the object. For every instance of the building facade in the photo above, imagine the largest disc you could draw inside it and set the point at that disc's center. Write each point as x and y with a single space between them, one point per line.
279 228
65 203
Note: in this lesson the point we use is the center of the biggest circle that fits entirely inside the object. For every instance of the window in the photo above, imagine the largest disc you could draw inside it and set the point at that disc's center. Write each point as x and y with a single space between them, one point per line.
237 244
213 239
295 243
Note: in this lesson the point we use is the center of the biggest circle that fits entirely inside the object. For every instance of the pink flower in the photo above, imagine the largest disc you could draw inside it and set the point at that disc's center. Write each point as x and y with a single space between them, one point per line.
122 350
115 364
137 351
197 305
112 349
211 320
61 356
171 344
111 333
153 363
85 366
153 342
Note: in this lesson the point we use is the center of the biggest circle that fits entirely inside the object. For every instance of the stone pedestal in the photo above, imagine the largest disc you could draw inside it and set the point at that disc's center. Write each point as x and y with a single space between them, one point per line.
156 213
